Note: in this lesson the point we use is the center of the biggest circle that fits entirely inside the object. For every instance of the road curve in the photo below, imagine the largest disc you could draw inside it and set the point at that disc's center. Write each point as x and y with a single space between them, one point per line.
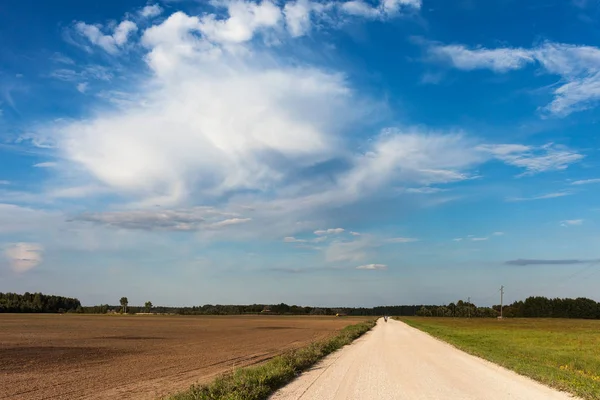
395 361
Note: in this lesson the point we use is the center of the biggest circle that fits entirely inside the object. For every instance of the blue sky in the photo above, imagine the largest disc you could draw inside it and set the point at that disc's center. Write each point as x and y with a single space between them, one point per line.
312 152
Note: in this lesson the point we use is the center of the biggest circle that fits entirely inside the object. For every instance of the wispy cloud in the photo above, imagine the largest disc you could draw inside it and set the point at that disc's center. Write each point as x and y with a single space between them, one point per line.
548 262
402 240
571 222
170 220
111 42
62 59
373 267
577 65
549 157
47 164
4 182
479 239
151 11
82 87
291 239
540 197
457 239
228 222
424 190
331 231
498 233
23 257
586 181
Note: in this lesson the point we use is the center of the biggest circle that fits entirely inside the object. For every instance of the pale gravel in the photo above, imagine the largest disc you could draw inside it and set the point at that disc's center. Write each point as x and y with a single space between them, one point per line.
396 361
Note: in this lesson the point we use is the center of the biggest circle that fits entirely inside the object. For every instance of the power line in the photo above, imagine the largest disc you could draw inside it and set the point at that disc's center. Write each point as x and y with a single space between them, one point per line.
501 299
469 306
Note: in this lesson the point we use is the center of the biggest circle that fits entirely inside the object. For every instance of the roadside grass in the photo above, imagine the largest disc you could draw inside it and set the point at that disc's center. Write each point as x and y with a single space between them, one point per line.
562 353
259 382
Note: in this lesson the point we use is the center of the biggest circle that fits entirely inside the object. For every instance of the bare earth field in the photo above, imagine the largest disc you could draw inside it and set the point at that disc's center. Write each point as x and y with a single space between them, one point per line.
139 357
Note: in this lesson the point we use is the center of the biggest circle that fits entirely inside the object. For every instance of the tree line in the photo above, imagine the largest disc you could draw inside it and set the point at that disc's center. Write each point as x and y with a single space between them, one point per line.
37 303
531 307
542 307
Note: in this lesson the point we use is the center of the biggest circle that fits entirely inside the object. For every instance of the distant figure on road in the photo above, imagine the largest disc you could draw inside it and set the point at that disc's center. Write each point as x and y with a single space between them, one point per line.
385 318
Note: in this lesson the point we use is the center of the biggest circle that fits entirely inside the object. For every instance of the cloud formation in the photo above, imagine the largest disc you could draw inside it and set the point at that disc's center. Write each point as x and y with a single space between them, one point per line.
578 67
151 11
571 222
23 257
111 42
402 240
170 220
541 197
373 267
533 160
523 262
586 181
331 231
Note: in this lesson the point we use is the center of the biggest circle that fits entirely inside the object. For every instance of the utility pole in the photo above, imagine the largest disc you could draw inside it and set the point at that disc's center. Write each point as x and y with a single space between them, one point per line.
501 299
469 306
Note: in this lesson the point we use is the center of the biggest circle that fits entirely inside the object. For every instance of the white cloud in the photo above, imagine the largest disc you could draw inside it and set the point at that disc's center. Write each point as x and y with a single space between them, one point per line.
571 222
245 19
413 157
577 65
402 240
540 197
228 222
47 164
479 239
331 231
151 11
90 72
234 121
457 239
221 116
23 257
385 9
297 16
62 59
291 239
373 267
585 182
354 233
549 157
170 220
82 87
498 233
499 60
424 190
353 251
111 43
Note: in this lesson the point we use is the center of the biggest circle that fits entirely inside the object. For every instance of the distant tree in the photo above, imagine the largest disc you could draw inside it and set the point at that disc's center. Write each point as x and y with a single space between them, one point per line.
124 303
148 306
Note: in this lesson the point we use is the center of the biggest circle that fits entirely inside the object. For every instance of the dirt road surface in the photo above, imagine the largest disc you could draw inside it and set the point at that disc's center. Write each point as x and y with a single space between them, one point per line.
395 361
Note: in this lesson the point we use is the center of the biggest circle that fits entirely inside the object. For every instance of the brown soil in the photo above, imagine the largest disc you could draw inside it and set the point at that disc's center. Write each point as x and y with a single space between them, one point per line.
138 357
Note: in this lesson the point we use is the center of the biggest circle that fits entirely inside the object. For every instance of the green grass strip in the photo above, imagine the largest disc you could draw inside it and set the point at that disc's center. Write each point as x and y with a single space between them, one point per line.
259 382
562 353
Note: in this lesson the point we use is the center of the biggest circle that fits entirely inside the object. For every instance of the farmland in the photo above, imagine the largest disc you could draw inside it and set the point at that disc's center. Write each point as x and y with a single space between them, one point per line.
139 357
563 353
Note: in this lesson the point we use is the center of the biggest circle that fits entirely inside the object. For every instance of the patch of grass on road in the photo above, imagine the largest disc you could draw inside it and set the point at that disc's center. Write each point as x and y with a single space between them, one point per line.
255 383
562 353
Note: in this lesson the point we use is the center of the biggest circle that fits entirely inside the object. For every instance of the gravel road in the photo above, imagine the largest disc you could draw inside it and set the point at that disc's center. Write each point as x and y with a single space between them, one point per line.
395 361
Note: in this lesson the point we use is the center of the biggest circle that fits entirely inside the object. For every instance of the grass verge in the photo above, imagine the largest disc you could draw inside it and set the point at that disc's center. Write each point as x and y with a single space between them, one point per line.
256 383
562 353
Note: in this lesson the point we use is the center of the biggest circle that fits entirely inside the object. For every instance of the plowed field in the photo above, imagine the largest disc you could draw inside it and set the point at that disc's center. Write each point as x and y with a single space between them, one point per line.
138 357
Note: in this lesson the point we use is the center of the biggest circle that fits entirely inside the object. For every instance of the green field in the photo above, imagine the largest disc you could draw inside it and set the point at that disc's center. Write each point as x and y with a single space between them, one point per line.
562 353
